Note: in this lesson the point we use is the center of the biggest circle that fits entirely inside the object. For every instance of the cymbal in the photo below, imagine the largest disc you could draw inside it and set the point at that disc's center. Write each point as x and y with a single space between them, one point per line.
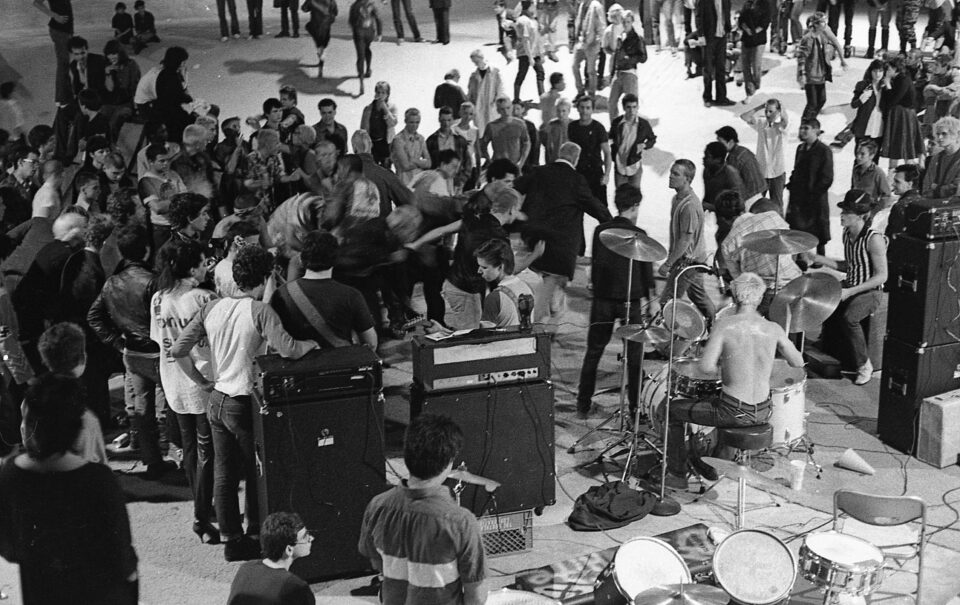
732 470
682 594
645 334
690 324
779 241
633 244
810 299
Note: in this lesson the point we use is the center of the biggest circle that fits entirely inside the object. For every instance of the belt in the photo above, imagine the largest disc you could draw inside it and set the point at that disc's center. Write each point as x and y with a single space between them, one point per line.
741 404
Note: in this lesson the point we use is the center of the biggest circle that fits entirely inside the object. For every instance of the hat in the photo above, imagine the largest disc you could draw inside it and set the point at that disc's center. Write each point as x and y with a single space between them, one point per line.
856 201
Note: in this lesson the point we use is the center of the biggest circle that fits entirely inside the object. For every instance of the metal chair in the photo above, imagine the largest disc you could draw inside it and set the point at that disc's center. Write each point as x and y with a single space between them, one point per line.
887 511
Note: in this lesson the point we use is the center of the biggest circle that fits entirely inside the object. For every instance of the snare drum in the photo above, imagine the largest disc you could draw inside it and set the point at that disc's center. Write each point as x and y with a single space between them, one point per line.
787 402
692 382
507 596
842 563
754 567
639 564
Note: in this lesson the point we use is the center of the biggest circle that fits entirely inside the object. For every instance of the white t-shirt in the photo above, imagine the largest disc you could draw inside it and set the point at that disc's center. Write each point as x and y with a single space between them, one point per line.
170 312
769 147
147 87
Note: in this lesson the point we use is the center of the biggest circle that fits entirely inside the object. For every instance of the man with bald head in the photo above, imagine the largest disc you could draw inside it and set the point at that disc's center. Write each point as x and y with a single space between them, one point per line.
35 298
556 198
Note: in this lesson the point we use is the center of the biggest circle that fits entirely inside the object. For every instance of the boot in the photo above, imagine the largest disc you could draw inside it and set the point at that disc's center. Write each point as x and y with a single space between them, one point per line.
871 38
884 38
320 69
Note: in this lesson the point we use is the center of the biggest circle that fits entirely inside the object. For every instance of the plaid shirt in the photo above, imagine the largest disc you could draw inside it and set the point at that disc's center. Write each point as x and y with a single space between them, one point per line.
740 260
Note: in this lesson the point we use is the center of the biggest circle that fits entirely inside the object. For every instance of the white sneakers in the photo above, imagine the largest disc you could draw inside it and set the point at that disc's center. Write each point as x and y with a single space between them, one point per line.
864 373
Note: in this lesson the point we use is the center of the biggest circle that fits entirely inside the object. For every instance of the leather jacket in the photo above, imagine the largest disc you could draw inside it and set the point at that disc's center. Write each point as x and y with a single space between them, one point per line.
120 316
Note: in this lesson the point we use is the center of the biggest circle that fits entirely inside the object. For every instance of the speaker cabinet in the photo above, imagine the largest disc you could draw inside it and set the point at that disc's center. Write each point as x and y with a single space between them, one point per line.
324 460
508 437
924 283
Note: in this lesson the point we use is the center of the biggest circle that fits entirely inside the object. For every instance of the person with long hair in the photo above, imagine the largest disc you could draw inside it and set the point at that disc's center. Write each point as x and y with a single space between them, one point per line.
366 26
182 268
172 92
64 519
901 127
122 77
322 15
868 123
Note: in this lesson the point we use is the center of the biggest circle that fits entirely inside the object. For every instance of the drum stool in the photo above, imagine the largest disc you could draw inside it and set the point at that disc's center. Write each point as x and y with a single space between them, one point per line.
746 440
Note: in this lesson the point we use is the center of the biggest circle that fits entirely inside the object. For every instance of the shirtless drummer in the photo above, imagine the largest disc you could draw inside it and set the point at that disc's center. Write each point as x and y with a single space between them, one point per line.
744 346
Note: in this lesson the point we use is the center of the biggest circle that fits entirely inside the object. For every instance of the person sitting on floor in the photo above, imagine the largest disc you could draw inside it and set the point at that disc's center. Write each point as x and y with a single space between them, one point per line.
283 539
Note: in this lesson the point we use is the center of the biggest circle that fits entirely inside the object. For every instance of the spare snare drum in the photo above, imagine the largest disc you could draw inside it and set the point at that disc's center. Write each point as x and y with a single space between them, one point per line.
787 402
842 563
639 564
754 567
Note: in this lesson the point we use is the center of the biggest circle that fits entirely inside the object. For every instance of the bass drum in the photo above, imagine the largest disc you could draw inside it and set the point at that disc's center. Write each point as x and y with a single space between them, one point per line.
639 564
653 396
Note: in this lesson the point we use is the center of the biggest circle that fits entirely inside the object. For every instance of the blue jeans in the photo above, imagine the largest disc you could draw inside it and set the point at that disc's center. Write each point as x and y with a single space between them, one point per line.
140 397
720 411
231 423
222 7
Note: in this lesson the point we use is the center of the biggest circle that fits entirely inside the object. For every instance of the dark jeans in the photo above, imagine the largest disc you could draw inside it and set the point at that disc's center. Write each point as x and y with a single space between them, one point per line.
715 69
289 6
428 266
9 416
398 21
231 422
523 66
816 99
603 312
255 16
140 390
842 332
63 92
441 17
198 461
361 44
775 190
721 411
833 17
222 7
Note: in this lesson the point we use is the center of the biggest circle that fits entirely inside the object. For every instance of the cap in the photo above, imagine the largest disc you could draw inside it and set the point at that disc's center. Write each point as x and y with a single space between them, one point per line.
856 201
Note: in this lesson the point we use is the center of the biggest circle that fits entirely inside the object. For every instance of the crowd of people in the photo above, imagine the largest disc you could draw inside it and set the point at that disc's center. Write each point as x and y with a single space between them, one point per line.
179 262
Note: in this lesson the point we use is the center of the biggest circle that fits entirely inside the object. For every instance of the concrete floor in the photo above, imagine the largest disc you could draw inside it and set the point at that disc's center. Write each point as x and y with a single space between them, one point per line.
240 74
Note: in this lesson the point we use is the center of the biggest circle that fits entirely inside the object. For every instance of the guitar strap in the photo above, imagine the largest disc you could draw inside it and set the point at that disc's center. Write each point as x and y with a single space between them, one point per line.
313 316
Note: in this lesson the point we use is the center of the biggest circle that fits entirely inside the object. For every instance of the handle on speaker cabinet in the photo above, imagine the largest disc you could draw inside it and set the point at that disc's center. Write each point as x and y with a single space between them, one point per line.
901 282
258 457
897 386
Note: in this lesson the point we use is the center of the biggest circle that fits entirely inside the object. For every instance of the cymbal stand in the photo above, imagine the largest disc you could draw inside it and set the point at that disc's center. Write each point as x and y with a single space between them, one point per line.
665 506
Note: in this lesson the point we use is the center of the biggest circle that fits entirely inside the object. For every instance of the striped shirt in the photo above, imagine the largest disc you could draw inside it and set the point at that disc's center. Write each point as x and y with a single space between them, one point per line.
855 250
424 544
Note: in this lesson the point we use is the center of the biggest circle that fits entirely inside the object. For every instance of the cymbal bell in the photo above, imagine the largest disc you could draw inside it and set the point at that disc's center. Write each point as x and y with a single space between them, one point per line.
682 594
633 244
810 299
641 333
732 470
779 241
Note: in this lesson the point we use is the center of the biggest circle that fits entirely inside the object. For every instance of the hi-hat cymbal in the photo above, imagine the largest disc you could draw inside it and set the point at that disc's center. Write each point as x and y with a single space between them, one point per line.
633 244
779 241
732 470
682 594
810 299
641 333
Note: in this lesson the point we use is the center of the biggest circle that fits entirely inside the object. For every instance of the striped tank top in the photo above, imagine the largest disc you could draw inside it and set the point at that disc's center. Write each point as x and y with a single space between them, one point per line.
859 266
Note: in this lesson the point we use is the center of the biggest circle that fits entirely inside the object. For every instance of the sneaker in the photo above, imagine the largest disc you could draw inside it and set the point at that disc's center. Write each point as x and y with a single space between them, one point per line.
236 36
224 38
242 549
124 444
864 374
676 482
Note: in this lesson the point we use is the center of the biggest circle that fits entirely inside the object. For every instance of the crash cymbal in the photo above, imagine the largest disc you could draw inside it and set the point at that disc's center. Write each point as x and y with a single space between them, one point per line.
732 470
633 244
779 241
810 299
645 334
690 324
682 594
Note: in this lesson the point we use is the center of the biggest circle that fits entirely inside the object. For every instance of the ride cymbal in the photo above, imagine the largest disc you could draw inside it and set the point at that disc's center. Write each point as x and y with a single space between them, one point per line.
682 594
779 241
810 299
633 244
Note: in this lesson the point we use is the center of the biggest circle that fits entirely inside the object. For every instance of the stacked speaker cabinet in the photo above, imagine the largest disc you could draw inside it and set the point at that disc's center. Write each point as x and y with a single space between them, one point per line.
921 354
318 431
494 385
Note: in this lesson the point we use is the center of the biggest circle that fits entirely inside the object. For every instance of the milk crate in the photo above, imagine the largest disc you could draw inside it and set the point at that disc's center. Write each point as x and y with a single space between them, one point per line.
506 533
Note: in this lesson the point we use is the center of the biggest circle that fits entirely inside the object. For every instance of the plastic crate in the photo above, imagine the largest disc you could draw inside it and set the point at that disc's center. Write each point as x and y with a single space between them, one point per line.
506 533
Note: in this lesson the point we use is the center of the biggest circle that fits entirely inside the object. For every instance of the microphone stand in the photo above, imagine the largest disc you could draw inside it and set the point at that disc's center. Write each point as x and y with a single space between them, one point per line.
667 507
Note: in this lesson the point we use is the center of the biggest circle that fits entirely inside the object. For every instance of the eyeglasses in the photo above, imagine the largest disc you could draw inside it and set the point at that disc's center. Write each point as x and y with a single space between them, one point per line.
307 540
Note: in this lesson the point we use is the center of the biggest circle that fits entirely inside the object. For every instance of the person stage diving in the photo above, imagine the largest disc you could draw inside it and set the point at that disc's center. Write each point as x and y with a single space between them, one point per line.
744 346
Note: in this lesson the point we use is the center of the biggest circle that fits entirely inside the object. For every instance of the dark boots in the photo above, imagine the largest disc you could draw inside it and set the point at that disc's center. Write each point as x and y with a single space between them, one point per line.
871 38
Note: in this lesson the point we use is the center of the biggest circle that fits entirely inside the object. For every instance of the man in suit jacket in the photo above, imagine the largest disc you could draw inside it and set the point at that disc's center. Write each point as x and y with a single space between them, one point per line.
87 69
812 175
556 198
713 23
441 16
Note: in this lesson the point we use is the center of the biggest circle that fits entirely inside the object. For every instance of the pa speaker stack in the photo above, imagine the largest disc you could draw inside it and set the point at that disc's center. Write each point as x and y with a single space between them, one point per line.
318 432
494 384
921 354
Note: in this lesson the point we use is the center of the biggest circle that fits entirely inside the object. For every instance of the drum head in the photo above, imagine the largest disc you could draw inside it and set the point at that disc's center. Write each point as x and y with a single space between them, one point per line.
507 596
783 377
643 563
754 567
690 323
845 551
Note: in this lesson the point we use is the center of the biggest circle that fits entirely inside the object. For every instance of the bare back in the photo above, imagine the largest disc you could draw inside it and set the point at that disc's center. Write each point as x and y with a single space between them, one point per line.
744 346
